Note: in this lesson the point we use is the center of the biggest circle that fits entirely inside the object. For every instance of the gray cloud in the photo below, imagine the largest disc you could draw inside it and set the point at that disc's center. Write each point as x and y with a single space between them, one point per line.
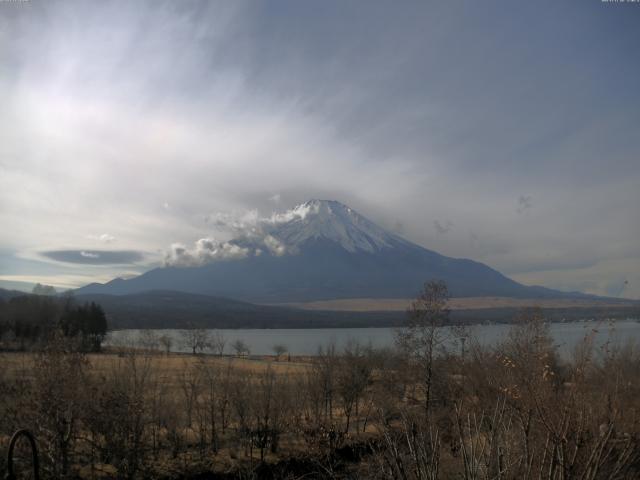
398 227
443 229
616 288
276 198
525 203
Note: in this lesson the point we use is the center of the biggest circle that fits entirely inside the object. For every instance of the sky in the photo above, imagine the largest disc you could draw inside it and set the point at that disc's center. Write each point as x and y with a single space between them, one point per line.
505 132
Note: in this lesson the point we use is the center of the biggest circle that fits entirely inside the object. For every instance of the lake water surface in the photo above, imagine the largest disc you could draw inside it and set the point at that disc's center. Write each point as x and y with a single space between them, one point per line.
307 341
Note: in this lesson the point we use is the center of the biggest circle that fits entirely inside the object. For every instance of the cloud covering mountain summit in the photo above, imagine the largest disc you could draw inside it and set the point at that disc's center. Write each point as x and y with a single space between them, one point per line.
284 233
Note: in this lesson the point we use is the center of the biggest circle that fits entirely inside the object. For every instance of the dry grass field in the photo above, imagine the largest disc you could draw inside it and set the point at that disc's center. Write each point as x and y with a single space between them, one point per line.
169 366
514 411
179 380
465 303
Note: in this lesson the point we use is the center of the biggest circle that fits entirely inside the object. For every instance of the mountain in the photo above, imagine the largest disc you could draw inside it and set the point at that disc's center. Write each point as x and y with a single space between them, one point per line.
322 250
9 294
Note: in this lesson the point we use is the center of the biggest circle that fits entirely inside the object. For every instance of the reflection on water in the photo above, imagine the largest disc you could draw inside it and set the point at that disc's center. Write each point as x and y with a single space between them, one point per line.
307 341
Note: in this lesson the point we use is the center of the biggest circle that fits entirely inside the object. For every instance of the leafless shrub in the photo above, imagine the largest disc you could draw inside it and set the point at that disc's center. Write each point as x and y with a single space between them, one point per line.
166 342
240 347
218 343
279 350
196 339
118 416
59 378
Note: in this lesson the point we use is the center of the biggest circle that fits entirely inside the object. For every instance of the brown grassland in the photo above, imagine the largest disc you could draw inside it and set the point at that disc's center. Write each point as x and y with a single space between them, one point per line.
462 303
513 411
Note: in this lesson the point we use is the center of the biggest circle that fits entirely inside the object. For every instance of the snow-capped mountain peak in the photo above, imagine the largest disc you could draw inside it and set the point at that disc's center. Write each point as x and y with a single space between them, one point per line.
319 250
329 220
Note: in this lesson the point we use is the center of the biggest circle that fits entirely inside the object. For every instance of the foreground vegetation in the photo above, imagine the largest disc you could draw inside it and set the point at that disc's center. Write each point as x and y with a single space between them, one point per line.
512 411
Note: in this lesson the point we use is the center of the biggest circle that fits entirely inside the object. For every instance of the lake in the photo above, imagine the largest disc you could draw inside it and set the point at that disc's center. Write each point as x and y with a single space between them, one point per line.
307 341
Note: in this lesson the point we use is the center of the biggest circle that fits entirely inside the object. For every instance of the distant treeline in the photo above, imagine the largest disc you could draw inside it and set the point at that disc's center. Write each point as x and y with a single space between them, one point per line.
28 321
170 309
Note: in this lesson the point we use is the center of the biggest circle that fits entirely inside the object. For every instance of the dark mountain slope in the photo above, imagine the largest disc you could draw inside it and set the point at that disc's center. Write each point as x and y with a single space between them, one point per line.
9 294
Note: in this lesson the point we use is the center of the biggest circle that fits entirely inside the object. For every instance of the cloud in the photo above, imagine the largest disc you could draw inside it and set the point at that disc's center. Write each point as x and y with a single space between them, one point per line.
442 229
297 213
239 223
95 257
205 250
249 226
615 277
275 246
525 203
251 236
104 238
275 198
398 227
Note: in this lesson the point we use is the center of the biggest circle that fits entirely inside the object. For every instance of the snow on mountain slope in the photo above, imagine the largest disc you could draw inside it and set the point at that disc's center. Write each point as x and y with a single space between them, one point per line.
288 233
329 220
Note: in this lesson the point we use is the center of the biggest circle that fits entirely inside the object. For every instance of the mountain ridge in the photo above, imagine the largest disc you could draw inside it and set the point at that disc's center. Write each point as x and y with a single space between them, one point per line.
322 250
172 309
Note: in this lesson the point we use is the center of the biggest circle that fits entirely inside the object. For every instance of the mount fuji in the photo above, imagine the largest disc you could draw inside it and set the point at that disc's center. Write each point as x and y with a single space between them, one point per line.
320 250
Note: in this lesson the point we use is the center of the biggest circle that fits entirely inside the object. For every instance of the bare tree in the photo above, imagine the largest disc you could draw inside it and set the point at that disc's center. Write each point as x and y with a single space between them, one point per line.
119 413
149 340
208 402
196 339
59 376
240 347
353 377
423 334
218 343
166 341
318 394
190 385
270 411
407 452
279 350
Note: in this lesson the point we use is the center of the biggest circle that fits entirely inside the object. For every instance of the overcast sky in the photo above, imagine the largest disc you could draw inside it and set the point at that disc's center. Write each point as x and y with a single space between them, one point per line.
506 132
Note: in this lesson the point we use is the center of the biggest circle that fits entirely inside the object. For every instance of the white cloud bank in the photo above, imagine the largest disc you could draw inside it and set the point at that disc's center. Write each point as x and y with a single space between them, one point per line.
104 238
247 228
205 250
